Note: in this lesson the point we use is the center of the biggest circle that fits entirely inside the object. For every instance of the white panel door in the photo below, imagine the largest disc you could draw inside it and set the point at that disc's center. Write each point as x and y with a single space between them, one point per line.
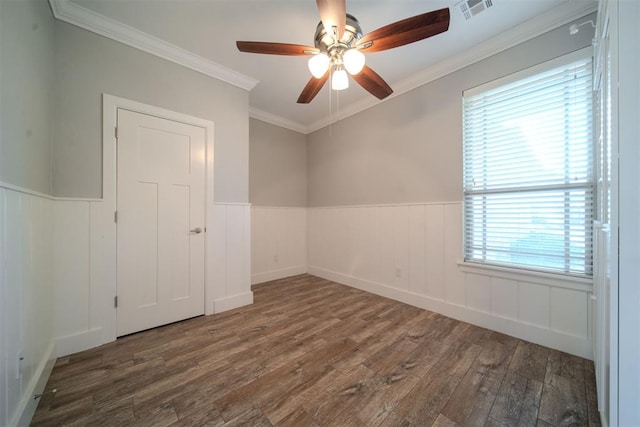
160 238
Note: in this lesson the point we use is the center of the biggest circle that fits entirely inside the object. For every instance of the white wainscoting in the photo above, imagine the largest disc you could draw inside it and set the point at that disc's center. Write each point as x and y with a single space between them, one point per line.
58 281
411 253
26 301
229 258
601 323
85 276
278 242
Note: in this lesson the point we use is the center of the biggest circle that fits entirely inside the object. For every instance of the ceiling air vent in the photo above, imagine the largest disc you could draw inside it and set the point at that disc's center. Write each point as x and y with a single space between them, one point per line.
470 8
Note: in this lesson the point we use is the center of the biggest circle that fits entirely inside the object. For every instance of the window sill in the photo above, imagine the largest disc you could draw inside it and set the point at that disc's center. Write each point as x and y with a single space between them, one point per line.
584 284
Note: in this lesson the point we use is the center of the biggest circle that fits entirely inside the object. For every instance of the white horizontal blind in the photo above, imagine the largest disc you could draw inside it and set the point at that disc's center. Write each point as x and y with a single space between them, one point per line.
528 171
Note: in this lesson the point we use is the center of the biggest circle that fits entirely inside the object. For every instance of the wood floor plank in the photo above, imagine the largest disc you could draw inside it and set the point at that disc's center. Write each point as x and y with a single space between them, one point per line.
160 415
112 413
285 408
506 340
393 358
196 408
166 389
433 327
126 382
517 402
565 365
476 335
297 418
382 397
334 404
394 420
590 389
425 401
541 423
472 400
311 352
563 402
530 361
76 411
443 421
252 417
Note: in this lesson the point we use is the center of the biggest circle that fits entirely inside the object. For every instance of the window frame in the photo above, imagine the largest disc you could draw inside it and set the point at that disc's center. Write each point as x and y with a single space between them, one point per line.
512 269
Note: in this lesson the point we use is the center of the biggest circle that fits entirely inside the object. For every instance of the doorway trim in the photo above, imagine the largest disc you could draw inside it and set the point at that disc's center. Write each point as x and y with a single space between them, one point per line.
110 106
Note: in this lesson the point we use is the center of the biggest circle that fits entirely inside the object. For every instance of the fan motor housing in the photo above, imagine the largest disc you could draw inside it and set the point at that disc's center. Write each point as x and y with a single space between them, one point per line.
352 33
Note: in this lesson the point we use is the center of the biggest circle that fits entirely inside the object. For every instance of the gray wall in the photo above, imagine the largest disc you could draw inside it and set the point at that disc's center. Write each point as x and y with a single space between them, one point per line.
409 149
87 65
277 166
26 93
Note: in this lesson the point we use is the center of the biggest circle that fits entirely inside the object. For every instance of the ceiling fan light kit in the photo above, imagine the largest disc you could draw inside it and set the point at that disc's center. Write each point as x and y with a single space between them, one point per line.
337 53
339 80
319 64
340 46
353 61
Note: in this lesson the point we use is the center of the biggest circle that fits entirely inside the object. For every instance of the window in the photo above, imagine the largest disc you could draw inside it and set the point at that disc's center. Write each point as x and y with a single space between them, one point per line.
528 169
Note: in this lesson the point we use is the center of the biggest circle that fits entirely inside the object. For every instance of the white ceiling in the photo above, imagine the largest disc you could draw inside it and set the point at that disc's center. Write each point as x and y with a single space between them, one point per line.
209 29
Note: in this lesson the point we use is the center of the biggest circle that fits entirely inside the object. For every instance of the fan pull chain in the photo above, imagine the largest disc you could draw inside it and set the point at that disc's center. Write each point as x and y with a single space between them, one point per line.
337 107
330 101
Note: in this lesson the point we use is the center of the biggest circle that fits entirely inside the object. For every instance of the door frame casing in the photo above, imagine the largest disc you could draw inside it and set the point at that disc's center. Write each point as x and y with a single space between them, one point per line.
110 106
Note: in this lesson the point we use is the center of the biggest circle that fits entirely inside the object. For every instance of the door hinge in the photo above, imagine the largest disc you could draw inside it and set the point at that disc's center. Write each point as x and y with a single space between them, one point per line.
115 132
115 216
115 302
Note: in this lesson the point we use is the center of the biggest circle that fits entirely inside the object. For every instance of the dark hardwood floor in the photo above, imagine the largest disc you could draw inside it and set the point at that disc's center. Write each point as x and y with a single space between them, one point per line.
310 352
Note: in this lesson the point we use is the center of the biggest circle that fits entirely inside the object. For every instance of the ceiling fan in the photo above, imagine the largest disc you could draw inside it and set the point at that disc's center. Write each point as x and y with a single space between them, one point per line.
339 47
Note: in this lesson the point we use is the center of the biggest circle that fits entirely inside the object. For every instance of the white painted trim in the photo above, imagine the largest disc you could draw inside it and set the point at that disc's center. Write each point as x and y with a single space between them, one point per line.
268 276
231 302
612 13
386 205
523 275
232 204
547 337
586 53
278 120
23 190
72 13
627 208
30 192
79 341
110 117
279 207
28 404
76 199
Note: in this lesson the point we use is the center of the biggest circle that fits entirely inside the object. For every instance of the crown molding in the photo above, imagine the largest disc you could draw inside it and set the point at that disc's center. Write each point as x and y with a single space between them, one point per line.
545 22
66 10
274 119
72 13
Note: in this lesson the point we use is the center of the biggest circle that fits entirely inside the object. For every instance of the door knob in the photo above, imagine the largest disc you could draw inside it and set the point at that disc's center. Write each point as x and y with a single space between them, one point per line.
197 230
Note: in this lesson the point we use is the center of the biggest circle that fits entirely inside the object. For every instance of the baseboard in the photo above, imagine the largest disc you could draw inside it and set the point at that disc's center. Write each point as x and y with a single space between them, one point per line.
568 343
28 404
231 302
277 274
80 341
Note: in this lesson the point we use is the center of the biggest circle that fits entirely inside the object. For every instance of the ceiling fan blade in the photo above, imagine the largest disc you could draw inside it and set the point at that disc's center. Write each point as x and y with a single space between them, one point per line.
333 13
372 82
276 48
406 31
312 88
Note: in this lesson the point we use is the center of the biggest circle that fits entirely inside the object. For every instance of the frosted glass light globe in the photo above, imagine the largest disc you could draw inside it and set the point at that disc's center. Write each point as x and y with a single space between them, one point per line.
340 80
353 61
318 65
